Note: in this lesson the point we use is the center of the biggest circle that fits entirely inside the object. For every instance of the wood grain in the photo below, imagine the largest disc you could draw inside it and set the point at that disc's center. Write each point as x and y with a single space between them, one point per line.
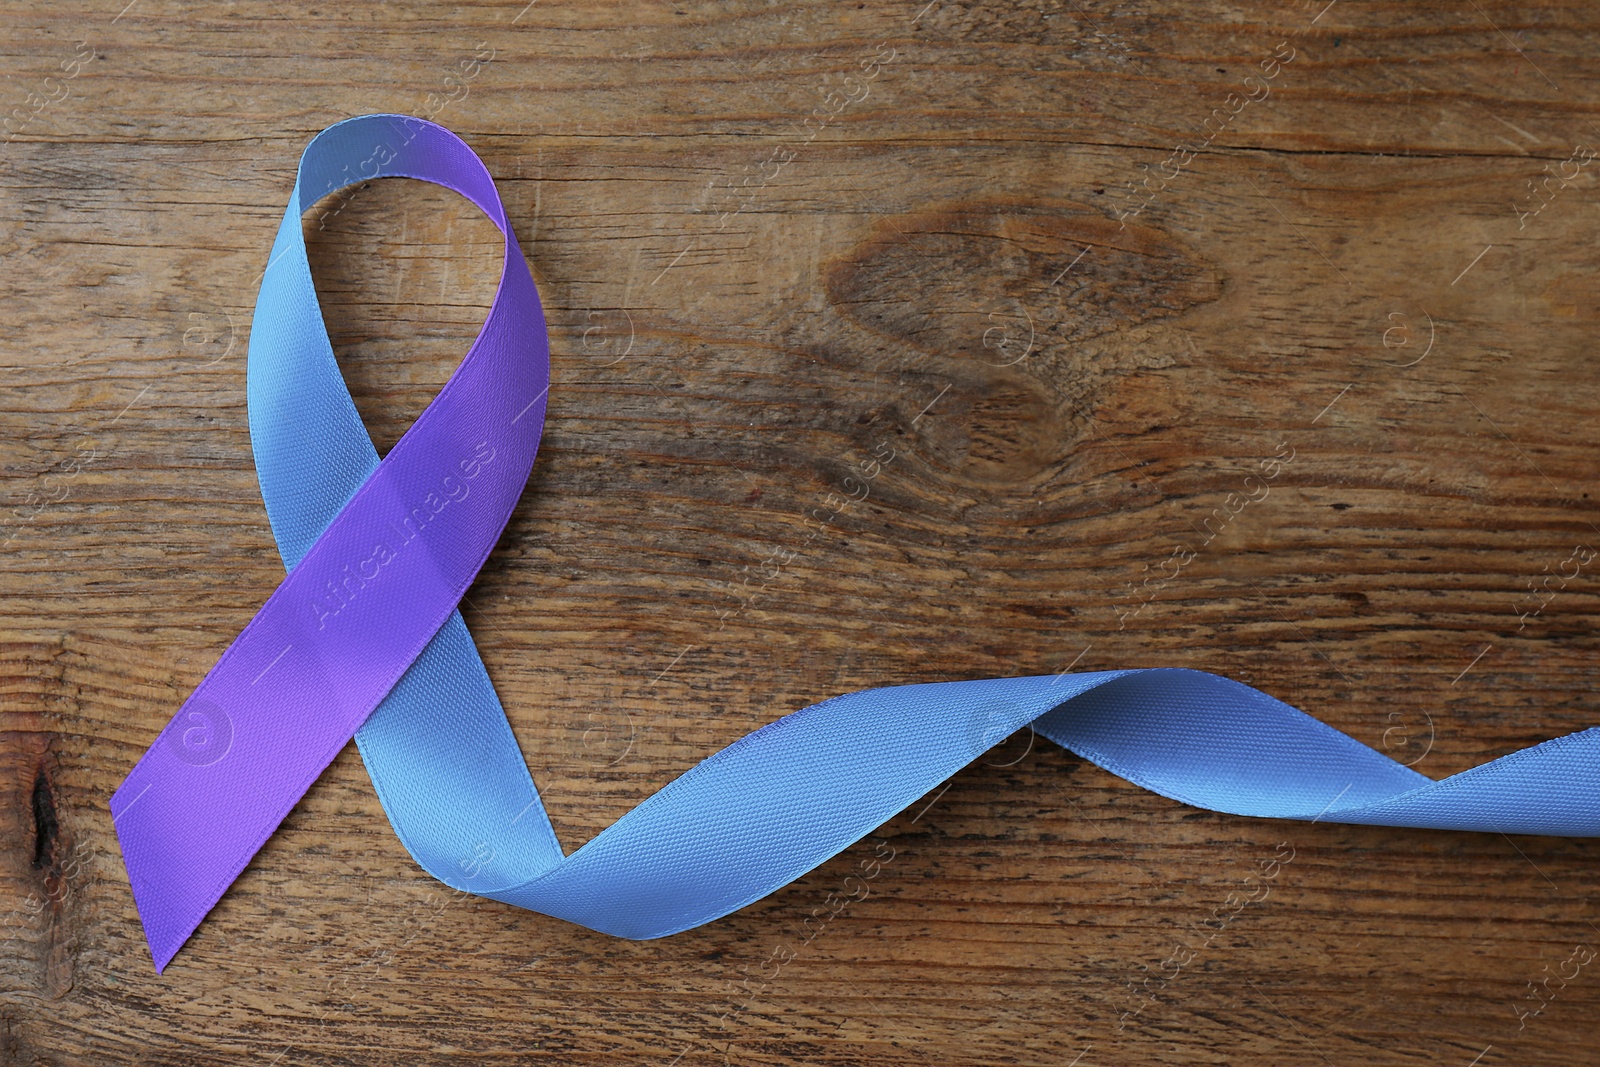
745 308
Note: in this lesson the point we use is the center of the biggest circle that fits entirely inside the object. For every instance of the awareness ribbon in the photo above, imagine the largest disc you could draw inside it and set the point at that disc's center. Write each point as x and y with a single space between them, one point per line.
363 638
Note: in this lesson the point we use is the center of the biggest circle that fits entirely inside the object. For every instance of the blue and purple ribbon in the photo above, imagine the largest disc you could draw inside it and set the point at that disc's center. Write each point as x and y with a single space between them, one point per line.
363 639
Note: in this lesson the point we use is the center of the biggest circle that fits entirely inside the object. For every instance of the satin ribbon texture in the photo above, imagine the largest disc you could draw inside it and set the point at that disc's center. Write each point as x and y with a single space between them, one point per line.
362 638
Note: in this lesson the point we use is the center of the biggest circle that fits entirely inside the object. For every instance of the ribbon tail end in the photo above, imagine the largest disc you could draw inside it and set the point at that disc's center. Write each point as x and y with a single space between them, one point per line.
167 927
170 910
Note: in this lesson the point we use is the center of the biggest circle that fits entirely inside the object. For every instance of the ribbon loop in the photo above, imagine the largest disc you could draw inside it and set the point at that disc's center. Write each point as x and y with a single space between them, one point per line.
378 555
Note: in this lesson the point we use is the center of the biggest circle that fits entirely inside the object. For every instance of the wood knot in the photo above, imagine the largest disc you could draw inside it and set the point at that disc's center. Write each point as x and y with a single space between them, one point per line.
46 828
1030 312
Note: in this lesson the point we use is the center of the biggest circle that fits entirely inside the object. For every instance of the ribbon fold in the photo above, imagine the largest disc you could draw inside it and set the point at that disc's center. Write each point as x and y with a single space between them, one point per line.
362 638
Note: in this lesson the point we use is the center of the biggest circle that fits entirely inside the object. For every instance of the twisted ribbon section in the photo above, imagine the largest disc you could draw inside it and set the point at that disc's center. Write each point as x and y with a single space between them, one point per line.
363 638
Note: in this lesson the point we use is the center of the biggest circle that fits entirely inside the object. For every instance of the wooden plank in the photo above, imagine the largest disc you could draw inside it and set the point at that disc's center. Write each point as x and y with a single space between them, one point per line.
1345 273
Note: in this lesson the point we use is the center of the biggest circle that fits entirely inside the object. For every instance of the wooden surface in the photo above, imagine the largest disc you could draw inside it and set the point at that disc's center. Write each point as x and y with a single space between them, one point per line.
945 266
